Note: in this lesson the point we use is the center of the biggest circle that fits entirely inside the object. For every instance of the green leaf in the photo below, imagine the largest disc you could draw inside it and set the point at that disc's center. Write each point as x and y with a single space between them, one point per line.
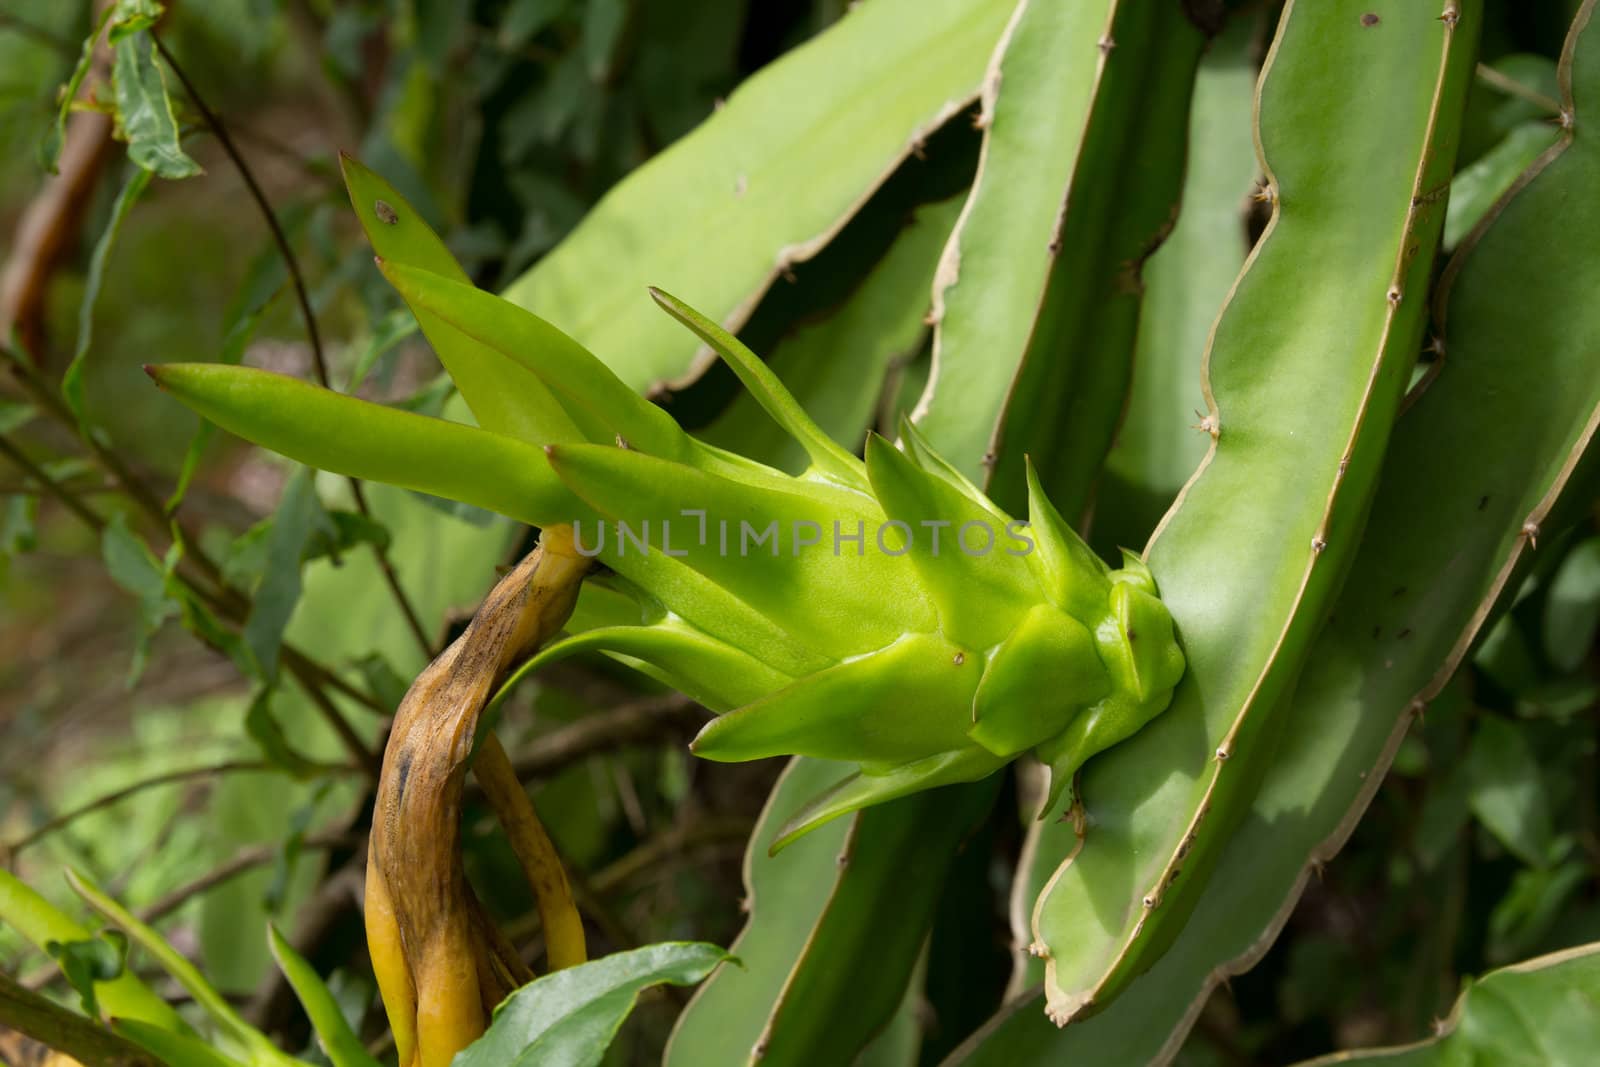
1444 814
132 565
524 18
1526 915
264 279
332 535
570 1017
15 415
19 516
41 923
390 330
339 1041
1572 607
50 151
268 736
130 16
261 1052
1544 1011
298 517
763 183
72 378
145 109
88 962
1508 791
382 680
175 1049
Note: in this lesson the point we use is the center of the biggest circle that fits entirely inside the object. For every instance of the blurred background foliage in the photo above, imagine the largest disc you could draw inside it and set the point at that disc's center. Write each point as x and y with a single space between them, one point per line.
504 121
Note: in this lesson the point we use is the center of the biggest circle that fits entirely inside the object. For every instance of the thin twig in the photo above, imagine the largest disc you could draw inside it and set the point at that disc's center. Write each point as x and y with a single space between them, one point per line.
644 720
1511 87
352 741
319 360
66 818
21 489
48 485
673 843
246 859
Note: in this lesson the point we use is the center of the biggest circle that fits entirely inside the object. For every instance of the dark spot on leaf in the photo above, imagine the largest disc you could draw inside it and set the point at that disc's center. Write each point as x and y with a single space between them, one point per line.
1483 502
961 657
386 213
1369 19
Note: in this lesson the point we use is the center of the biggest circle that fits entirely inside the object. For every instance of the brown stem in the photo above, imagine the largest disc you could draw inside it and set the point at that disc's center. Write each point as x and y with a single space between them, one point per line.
352 741
117 796
49 485
49 227
319 360
246 859
644 720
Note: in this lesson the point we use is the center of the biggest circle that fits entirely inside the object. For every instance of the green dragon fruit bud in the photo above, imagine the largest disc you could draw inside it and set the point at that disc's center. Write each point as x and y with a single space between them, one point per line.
879 612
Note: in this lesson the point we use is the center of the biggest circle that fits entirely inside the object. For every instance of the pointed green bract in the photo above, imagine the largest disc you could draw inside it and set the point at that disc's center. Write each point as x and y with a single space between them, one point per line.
596 404
324 429
504 397
827 458
709 671
830 600
1043 673
864 789
397 231
914 688
1073 577
962 551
